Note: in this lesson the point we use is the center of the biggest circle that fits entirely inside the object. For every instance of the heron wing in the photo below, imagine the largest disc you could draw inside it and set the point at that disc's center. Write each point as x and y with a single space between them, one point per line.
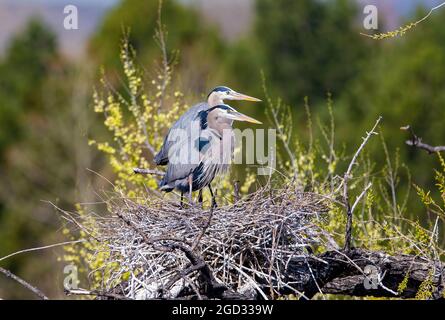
204 168
161 159
182 165
179 169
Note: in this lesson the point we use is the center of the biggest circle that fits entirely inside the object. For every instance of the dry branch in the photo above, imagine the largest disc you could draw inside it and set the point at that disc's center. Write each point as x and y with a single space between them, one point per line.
148 171
96 293
228 252
24 284
342 273
258 248
416 142
346 177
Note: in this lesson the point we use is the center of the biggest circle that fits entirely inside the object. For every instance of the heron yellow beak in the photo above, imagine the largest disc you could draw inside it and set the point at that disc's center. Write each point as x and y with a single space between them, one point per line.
242 117
245 97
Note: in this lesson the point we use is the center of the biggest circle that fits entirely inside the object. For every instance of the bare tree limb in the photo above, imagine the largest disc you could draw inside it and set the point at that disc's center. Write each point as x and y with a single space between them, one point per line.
340 274
25 284
416 142
148 171
83 292
347 176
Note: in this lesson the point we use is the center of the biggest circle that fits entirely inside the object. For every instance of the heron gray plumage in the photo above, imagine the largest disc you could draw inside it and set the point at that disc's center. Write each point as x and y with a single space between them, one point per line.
195 159
215 97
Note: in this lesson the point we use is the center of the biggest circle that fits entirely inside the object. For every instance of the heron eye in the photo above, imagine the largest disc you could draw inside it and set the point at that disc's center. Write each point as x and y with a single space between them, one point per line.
227 92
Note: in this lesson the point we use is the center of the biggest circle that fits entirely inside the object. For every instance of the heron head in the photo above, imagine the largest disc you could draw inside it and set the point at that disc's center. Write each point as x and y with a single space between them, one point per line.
222 116
219 94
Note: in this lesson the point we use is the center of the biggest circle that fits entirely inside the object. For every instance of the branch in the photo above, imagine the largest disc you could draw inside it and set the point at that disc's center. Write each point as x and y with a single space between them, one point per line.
333 272
349 209
343 274
41 248
148 171
204 230
402 30
25 284
417 142
83 292
360 197
236 193
212 288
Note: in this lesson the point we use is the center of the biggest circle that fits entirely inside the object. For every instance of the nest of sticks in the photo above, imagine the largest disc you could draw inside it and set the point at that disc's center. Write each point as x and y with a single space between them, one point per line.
165 251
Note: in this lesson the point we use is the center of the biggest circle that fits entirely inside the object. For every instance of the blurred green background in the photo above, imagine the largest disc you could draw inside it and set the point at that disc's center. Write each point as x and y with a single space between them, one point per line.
305 48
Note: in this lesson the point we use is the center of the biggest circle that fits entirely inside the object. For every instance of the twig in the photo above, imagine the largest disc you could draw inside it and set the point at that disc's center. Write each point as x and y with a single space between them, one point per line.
417 142
349 209
360 197
25 284
402 30
147 240
148 171
236 192
83 292
195 244
182 274
166 70
42 248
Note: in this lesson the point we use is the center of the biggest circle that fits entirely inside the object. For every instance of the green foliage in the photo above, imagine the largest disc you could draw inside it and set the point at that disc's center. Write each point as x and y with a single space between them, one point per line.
31 56
402 82
311 49
43 153
138 133
438 207
198 42
306 48
426 288
402 286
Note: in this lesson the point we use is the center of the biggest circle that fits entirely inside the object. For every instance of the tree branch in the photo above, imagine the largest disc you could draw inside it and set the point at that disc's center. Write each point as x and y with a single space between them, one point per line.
349 208
148 171
416 142
100 294
342 273
25 284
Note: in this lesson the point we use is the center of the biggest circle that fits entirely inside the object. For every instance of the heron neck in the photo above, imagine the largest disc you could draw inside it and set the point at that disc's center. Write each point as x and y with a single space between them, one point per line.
214 100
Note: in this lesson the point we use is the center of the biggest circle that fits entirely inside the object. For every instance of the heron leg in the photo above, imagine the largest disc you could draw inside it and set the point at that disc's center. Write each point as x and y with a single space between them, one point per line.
200 197
214 205
182 199
190 188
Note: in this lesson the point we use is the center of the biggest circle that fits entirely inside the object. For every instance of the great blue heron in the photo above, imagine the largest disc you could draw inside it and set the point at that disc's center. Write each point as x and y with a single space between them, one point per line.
216 97
212 145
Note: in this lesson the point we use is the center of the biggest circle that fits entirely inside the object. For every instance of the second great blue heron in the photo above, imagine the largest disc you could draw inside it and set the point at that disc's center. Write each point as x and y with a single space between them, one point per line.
215 97
213 146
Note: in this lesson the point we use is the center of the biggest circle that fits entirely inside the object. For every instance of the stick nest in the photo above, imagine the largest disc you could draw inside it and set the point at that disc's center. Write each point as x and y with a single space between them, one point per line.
161 249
